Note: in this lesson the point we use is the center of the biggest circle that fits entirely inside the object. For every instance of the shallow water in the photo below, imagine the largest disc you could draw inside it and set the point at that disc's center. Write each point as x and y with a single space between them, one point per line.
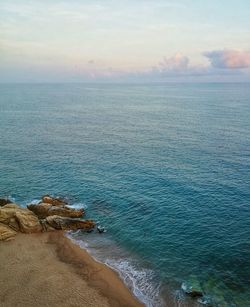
164 167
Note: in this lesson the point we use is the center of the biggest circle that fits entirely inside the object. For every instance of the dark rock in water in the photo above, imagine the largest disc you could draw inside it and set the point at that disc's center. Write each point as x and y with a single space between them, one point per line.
206 301
4 201
192 287
64 223
43 210
100 229
53 201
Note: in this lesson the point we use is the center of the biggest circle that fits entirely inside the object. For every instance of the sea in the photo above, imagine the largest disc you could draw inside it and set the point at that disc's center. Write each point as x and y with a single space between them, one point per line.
163 167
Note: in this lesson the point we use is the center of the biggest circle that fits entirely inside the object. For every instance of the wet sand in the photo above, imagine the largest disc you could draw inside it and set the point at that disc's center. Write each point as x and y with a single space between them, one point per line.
49 270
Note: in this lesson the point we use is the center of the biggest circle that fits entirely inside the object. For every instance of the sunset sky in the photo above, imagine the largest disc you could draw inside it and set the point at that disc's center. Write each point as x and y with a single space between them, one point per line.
113 40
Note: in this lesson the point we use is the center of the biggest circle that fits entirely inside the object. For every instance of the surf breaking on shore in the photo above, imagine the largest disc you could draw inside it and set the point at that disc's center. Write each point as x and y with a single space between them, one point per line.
140 280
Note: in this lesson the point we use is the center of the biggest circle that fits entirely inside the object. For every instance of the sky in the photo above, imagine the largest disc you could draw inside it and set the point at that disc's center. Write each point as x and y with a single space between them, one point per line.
130 41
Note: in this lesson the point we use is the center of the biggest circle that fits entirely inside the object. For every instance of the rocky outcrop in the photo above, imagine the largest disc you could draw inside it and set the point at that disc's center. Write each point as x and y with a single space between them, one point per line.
54 206
64 223
6 233
4 201
55 201
41 217
43 210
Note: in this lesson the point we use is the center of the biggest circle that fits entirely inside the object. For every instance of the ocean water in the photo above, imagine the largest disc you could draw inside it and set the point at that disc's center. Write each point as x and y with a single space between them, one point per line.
165 168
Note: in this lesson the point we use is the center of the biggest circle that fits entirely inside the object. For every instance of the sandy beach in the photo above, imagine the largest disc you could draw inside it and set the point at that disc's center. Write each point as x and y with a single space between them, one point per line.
47 269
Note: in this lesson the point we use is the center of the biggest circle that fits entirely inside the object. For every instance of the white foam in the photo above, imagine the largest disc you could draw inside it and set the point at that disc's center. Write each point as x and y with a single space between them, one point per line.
37 201
80 243
179 299
79 206
34 202
9 197
12 199
140 281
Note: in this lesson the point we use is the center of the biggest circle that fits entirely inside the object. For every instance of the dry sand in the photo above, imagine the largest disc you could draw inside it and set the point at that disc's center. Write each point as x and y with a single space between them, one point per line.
49 270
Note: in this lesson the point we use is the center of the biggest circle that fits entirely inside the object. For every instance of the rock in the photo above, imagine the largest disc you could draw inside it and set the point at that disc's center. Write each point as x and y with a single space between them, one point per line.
192 287
4 201
45 226
65 223
66 211
19 218
28 221
43 210
205 300
6 233
100 229
53 201
7 212
12 206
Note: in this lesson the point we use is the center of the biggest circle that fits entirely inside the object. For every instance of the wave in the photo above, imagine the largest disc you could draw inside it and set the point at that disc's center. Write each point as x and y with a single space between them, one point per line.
36 201
139 281
78 205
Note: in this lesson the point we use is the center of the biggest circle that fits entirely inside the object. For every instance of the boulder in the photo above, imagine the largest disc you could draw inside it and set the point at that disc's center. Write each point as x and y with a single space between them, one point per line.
4 201
65 223
7 212
53 201
192 287
205 300
18 218
28 221
6 233
45 226
43 210
66 212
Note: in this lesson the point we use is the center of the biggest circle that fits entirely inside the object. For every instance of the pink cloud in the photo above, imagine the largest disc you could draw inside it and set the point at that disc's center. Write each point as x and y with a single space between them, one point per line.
232 59
176 62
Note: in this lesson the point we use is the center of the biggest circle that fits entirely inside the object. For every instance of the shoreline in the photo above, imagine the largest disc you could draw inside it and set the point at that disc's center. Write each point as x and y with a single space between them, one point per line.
49 269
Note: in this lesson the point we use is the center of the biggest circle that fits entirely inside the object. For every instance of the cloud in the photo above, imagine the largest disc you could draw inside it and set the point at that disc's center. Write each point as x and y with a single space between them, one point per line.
230 59
176 68
176 63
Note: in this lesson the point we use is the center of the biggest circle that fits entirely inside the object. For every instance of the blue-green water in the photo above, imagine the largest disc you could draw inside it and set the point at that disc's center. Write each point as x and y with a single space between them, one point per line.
164 167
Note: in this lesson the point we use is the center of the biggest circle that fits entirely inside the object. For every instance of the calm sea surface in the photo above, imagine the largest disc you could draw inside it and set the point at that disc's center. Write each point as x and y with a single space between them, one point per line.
165 168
